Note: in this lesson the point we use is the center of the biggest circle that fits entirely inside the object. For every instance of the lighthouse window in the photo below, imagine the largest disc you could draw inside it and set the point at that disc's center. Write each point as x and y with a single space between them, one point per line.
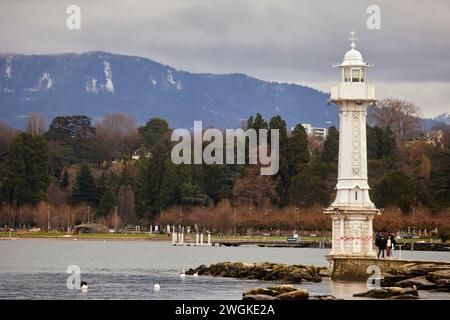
356 75
356 195
347 76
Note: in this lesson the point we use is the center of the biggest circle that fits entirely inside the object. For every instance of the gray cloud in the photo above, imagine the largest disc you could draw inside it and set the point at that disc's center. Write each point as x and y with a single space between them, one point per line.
283 40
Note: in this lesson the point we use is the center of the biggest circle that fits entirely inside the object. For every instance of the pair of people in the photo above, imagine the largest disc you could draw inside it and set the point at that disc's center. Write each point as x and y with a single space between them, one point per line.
385 244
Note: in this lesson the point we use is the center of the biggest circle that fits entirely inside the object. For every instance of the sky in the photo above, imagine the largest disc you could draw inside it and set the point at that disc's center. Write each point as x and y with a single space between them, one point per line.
294 41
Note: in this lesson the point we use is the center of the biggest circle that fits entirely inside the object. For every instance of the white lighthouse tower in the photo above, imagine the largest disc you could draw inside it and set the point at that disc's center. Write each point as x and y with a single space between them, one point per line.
352 211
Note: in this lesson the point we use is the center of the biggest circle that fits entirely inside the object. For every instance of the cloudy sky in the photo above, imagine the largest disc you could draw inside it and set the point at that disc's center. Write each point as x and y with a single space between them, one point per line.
278 40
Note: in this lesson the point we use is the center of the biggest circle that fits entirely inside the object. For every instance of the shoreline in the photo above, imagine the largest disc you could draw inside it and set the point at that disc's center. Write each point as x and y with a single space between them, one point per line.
275 242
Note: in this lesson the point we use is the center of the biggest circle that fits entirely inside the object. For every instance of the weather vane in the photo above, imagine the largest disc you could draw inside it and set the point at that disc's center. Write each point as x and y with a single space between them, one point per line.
353 39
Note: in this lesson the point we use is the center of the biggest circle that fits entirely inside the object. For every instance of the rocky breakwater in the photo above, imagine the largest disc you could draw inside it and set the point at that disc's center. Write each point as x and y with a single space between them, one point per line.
282 292
263 271
423 276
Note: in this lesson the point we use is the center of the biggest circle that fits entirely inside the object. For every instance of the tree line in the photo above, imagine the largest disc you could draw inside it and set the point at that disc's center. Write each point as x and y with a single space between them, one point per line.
116 166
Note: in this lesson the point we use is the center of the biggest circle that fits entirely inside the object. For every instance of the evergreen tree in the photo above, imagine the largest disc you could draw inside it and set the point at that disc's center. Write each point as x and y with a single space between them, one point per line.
283 172
65 181
396 188
156 131
25 173
309 189
85 189
380 143
440 186
330 152
107 202
298 153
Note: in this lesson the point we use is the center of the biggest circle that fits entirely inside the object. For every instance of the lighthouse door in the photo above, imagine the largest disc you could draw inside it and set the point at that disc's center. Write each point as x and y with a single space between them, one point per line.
356 235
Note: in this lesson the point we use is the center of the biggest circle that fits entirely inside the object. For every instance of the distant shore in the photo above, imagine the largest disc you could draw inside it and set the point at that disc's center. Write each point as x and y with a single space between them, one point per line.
419 244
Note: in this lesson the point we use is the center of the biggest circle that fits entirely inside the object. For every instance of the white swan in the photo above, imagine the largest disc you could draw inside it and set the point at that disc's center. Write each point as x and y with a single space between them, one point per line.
156 287
195 275
83 286
183 275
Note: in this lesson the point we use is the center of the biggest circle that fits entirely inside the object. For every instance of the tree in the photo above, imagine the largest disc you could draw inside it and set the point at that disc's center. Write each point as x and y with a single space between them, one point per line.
125 204
32 124
283 172
253 189
156 131
7 136
298 153
330 152
401 117
65 181
396 188
25 172
309 188
380 143
107 203
118 135
71 140
444 234
148 186
85 189
440 187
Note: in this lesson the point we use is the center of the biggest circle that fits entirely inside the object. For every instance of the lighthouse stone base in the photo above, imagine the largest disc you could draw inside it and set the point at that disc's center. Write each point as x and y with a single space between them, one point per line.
352 232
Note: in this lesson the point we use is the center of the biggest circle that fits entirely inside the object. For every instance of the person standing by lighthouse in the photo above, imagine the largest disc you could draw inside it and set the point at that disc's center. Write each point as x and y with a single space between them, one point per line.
352 211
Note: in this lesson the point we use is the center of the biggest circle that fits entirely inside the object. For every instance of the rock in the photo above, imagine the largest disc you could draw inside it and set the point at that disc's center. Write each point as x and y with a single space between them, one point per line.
390 280
324 272
323 297
388 292
190 272
404 297
412 290
416 270
258 297
443 285
261 291
283 288
294 277
420 282
299 294
261 271
439 274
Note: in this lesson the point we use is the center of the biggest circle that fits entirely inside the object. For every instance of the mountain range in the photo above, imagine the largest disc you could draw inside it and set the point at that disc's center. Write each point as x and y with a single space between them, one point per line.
98 83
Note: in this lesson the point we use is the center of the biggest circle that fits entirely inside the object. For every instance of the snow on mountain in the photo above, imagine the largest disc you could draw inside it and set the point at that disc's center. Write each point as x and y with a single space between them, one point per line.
97 83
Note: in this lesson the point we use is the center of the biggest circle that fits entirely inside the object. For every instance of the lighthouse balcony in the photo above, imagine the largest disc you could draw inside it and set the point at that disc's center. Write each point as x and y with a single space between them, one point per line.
353 91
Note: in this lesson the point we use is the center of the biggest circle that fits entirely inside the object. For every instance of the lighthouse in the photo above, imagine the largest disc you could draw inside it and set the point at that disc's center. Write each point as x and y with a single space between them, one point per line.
352 212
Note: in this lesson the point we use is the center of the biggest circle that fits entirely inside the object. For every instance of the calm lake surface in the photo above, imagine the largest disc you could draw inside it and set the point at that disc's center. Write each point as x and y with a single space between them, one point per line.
36 269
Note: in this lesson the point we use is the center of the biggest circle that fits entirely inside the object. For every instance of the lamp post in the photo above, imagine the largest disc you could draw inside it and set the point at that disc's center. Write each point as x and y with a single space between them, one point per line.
48 218
68 219
115 223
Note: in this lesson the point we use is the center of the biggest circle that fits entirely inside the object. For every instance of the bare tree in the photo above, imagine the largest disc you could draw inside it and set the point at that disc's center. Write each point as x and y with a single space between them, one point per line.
401 117
125 203
118 135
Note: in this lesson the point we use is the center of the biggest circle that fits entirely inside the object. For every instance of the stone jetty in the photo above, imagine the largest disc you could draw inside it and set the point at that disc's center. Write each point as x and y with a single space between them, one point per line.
263 271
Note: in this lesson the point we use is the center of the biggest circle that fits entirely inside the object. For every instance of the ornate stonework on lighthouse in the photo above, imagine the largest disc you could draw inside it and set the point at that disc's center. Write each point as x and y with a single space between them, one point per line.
352 211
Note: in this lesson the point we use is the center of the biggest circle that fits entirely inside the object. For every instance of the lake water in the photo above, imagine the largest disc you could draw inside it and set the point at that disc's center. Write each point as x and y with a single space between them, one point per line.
36 269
